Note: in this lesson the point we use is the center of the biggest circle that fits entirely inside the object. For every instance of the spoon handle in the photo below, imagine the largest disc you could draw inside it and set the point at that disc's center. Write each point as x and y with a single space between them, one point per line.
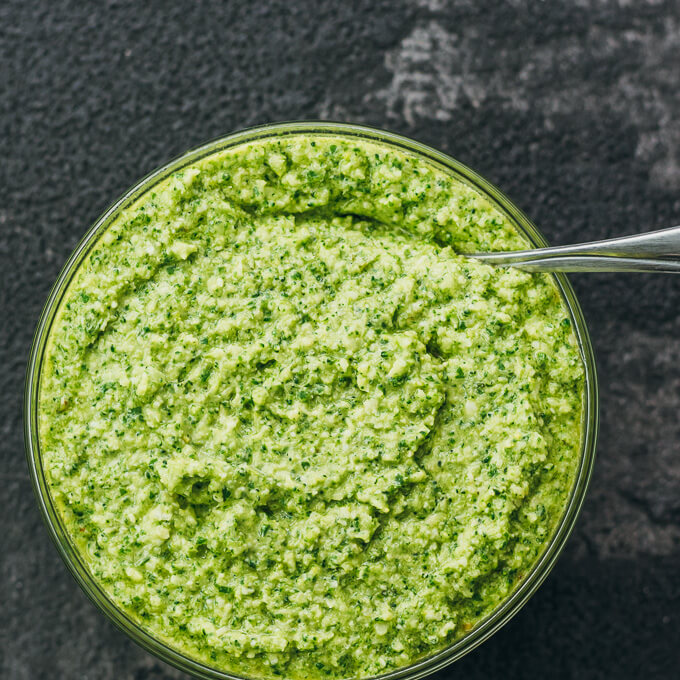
585 263
655 251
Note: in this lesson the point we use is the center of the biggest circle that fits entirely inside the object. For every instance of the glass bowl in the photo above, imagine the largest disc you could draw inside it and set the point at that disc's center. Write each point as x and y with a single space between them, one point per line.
511 605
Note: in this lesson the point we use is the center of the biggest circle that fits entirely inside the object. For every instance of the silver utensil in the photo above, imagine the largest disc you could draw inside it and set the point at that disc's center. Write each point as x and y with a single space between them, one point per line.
655 251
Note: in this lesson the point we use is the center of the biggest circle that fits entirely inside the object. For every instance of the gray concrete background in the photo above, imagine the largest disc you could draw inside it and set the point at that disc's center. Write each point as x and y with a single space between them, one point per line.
572 107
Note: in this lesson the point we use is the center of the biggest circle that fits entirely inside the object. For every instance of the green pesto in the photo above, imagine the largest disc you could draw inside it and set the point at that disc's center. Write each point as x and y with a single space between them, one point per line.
291 431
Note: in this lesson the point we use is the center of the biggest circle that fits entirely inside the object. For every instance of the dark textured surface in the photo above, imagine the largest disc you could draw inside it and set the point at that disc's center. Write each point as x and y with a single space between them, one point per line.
571 107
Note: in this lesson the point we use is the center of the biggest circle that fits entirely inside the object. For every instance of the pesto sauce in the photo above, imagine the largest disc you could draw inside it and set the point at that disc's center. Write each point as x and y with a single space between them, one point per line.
290 430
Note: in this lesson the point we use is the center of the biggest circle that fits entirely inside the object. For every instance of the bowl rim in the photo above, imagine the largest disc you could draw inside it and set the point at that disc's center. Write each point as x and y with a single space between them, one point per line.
57 531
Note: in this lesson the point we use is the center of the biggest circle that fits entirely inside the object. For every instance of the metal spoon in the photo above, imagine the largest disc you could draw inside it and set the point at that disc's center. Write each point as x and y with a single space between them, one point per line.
655 251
